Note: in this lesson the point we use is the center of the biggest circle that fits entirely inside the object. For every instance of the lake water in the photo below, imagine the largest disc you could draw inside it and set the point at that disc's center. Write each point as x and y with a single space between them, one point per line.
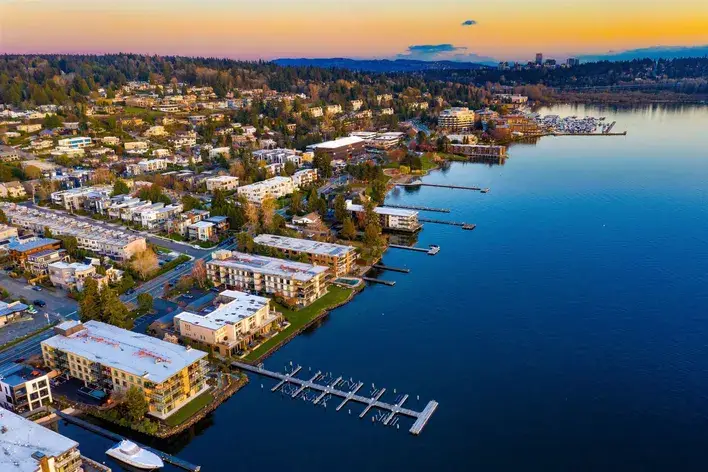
568 332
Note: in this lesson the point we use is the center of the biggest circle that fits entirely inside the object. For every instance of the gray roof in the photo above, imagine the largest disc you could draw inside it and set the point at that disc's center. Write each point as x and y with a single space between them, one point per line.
302 245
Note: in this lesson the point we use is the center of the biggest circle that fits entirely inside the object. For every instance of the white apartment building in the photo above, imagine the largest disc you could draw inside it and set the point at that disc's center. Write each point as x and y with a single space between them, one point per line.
24 389
456 118
73 199
74 143
69 276
278 156
301 283
146 166
393 219
238 318
226 183
304 177
154 215
220 151
35 448
275 187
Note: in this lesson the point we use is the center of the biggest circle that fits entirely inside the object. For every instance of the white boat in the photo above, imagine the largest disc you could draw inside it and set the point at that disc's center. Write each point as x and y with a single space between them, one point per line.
130 453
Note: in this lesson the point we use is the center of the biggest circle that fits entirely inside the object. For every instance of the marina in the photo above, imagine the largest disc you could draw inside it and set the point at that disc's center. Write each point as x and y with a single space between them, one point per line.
329 389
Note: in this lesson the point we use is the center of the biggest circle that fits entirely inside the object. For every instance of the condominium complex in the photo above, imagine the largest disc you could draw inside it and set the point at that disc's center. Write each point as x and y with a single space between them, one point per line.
237 320
278 156
30 447
24 388
301 283
75 198
224 183
456 118
276 187
304 177
339 258
116 244
146 166
168 374
393 219
376 140
342 148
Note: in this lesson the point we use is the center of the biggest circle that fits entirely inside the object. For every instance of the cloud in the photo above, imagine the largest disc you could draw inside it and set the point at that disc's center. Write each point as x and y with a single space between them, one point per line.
443 52
469 23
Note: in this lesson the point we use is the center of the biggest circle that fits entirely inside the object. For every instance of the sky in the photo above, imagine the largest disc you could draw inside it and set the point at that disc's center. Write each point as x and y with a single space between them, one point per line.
418 29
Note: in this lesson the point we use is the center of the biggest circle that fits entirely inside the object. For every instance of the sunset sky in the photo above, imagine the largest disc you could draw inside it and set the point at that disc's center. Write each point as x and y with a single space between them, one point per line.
458 29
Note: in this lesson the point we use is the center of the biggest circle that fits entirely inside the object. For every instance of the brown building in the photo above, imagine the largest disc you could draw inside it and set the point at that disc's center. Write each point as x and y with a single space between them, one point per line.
342 148
20 250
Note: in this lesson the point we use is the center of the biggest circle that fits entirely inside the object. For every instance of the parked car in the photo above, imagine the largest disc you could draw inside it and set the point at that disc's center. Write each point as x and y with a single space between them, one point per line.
130 291
39 303
37 289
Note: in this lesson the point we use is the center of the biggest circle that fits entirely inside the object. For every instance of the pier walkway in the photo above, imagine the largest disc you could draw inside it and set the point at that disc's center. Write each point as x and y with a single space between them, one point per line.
176 461
419 208
392 269
421 418
390 283
459 187
463 225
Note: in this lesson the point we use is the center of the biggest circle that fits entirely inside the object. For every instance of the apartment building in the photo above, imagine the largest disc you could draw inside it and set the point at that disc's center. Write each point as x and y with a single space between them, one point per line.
24 389
339 258
75 198
342 148
110 141
237 320
20 250
304 177
9 154
77 142
333 109
225 183
392 219
456 118
146 166
278 156
38 263
180 223
296 281
376 140
136 147
275 187
201 231
113 243
12 190
168 374
7 232
31 447
29 128
155 215
70 276
155 131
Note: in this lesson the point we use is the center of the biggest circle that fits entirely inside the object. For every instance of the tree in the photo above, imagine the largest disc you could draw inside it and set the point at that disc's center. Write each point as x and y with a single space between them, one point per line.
145 263
267 211
199 273
33 172
244 242
145 302
348 229
190 202
340 208
237 170
120 188
136 406
71 245
114 311
3 218
378 191
90 303
312 201
296 202
372 235
102 176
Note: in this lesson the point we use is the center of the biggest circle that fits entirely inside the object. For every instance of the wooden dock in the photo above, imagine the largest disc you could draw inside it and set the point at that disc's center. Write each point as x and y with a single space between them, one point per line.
419 208
176 461
463 225
392 269
421 418
408 248
458 187
390 283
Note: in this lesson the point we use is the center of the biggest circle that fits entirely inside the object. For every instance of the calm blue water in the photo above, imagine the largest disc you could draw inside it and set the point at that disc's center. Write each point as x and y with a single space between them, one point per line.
569 331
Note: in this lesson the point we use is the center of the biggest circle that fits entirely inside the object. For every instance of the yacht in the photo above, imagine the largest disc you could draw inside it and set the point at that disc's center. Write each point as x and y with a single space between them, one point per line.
130 453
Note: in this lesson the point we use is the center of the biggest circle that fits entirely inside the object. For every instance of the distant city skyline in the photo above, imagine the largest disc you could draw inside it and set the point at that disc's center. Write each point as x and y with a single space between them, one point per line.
504 30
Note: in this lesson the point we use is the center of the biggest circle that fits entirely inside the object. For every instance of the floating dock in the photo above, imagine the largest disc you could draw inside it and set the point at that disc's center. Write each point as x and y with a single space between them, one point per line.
390 283
458 187
421 417
392 269
431 251
468 226
419 208
176 461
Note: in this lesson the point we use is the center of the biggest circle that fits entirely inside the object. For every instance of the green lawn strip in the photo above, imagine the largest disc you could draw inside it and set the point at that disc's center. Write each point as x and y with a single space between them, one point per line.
26 336
300 318
188 410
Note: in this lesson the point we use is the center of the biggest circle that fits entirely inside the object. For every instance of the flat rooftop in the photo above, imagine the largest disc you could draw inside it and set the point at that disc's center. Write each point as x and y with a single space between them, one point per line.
382 210
135 353
302 245
341 142
19 374
30 245
21 439
271 266
239 306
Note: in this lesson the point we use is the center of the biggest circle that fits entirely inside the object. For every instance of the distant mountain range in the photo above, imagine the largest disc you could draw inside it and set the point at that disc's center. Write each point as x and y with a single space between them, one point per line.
657 52
380 65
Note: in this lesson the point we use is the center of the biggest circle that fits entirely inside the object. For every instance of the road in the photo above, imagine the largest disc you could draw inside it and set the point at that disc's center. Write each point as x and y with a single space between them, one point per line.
67 308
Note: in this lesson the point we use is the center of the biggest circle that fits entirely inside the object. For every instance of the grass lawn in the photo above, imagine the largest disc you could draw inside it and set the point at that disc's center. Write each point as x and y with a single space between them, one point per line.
427 161
188 410
300 318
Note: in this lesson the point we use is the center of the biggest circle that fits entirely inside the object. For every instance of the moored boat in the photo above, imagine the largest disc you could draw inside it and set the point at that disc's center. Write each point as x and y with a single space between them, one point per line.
130 453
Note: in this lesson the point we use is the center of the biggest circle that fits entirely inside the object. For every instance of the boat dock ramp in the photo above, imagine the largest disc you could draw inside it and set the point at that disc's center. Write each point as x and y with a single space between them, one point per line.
430 251
329 389
176 461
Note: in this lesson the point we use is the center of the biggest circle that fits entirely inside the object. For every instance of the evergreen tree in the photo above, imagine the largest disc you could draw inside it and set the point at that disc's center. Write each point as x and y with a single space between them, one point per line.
340 208
348 229
114 311
136 406
90 304
120 188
